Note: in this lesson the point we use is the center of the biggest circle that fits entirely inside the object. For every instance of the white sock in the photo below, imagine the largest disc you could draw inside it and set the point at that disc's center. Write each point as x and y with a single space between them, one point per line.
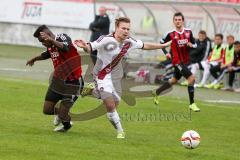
115 120
206 73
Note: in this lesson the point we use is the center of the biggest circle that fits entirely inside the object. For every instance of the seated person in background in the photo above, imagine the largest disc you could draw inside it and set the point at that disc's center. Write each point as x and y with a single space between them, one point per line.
218 71
203 49
214 59
234 67
200 53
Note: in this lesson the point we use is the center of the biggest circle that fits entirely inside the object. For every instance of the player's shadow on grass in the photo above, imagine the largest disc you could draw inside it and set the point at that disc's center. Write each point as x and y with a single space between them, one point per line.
128 97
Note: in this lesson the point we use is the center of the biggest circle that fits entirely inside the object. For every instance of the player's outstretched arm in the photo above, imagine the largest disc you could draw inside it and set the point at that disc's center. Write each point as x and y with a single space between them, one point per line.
153 46
43 56
82 44
33 60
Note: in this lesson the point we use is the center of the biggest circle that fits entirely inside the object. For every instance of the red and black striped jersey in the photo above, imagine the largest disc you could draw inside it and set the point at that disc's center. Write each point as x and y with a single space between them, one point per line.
66 61
179 49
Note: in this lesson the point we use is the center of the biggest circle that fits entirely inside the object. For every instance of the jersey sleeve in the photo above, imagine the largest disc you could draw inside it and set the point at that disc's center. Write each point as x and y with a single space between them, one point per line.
66 40
166 38
45 55
136 44
192 40
99 43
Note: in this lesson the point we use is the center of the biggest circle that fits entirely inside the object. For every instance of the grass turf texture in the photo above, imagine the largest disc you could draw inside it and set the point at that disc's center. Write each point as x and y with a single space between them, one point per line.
27 134
19 52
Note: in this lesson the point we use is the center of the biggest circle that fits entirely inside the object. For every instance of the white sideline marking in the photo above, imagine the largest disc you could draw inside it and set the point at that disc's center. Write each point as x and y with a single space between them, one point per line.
143 88
222 101
25 81
209 102
23 70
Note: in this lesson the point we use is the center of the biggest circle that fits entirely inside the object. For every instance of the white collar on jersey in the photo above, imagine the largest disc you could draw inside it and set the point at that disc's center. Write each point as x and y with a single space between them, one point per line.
181 31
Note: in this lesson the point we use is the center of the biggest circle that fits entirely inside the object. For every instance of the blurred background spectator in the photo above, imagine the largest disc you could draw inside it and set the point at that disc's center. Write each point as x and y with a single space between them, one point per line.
100 26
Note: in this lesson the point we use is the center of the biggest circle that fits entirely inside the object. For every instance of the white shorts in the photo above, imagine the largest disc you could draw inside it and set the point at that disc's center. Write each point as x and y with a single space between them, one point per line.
108 88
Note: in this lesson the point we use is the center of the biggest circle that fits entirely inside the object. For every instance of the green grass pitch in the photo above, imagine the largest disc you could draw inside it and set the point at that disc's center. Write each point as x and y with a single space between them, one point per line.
27 134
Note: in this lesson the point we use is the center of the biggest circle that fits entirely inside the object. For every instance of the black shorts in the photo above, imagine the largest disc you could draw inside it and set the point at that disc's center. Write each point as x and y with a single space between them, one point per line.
67 91
181 70
200 65
67 100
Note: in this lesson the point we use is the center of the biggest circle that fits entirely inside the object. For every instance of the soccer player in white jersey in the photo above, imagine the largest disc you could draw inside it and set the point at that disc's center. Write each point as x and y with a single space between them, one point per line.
108 69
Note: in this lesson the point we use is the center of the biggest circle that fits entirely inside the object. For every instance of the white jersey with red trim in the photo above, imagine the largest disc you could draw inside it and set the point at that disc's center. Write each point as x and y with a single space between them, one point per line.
108 49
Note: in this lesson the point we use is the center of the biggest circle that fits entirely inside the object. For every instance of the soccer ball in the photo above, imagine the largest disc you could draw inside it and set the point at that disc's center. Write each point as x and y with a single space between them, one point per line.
190 139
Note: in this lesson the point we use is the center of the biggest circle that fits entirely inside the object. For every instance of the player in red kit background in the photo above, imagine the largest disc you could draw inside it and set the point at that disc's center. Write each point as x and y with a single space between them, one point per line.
66 81
182 40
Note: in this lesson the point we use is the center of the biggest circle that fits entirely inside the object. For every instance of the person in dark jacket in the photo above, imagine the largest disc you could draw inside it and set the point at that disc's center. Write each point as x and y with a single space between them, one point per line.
203 48
100 26
200 53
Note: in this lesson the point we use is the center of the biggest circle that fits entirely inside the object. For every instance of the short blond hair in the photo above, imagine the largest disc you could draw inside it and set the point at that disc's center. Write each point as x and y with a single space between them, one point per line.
230 36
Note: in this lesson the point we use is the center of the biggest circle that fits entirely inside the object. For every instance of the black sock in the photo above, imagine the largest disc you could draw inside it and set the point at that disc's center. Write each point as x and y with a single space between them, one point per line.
191 94
165 86
66 125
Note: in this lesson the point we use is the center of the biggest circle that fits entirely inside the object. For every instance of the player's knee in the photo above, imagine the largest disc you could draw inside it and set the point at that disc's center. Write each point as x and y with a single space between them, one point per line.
172 81
47 110
110 104
191 80
110 108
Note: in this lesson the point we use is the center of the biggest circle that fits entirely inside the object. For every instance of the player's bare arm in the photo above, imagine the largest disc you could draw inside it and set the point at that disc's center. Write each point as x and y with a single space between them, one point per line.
82 44
43 56
32 61
51 40
152 46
